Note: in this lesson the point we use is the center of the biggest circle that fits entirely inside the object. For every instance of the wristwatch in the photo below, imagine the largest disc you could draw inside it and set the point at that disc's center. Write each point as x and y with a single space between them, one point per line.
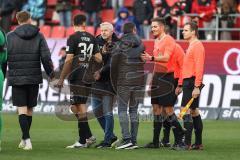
152 58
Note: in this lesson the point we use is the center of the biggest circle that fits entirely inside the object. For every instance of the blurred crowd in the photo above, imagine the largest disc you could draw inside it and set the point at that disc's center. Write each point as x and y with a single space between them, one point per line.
139 11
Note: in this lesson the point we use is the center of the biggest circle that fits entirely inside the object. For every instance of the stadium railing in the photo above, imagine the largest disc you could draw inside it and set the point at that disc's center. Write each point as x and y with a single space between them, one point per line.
217 29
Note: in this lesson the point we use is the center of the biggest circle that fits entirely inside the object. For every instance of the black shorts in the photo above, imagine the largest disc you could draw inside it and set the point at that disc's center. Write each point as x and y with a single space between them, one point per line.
188 86
25 95
163 91
175 86
79 92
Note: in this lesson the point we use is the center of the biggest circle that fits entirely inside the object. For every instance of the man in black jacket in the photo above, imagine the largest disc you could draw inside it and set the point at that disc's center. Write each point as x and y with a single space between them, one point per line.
27 48
143 11
92 8
103 95
127 76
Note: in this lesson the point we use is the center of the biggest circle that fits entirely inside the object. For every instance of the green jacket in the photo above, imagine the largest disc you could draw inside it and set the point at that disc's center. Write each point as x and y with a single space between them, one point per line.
3 55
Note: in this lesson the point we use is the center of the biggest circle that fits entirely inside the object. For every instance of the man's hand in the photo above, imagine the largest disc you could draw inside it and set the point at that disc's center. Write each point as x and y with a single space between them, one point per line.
97 75
145 56
178 90
98 57
195 92
59 83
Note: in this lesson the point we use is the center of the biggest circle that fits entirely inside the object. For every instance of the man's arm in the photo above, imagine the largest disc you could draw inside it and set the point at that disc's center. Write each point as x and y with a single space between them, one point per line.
160 58
67 67
45 56
98 57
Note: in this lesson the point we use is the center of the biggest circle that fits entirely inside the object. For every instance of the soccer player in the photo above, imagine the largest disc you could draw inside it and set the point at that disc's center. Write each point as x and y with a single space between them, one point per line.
178 55
3 59
81 49
192 74
162 94
102 92
27 48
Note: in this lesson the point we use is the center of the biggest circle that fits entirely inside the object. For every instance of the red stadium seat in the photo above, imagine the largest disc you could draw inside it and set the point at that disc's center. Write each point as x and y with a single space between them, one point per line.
51 2
69 31
108 15
128 3
46 31
58 32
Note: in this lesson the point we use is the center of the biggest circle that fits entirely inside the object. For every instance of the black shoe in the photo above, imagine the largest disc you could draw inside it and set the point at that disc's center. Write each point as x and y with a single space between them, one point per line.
114 141
100 144
106 145
124 144
152 145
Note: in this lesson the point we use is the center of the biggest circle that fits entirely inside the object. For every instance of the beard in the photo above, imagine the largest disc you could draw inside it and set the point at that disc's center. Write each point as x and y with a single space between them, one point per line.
105 37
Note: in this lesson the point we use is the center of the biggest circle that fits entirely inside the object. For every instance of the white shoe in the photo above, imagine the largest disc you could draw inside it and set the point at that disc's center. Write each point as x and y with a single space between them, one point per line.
22 144
28 145
77 145
91 141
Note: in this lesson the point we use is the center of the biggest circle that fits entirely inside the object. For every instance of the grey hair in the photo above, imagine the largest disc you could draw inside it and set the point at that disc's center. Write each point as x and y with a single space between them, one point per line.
109 25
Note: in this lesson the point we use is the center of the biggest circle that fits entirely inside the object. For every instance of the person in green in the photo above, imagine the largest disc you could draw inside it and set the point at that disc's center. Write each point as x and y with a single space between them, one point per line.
3 59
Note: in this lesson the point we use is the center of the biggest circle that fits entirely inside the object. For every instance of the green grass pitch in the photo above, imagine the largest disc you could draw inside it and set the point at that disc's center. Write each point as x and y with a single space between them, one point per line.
50 135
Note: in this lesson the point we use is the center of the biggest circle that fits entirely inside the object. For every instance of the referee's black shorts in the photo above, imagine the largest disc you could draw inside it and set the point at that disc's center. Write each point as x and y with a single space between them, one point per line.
25 95
188 86
79 92
163 91
175 86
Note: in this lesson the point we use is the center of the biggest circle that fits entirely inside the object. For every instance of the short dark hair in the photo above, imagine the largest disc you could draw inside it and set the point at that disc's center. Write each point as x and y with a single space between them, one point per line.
23 16
159 20
79 20
193 27
63 48
128 27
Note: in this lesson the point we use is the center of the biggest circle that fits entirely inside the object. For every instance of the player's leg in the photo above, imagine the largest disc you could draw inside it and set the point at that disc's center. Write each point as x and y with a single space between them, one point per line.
176 127
29 116
134 117
157 126
188 125
188 85
122 101
78 99
19 98
166 131
32 95
109 139
96 102
198 128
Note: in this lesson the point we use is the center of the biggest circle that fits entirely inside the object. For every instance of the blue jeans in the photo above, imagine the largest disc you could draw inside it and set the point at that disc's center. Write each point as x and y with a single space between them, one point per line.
65 18
102 108
128 101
